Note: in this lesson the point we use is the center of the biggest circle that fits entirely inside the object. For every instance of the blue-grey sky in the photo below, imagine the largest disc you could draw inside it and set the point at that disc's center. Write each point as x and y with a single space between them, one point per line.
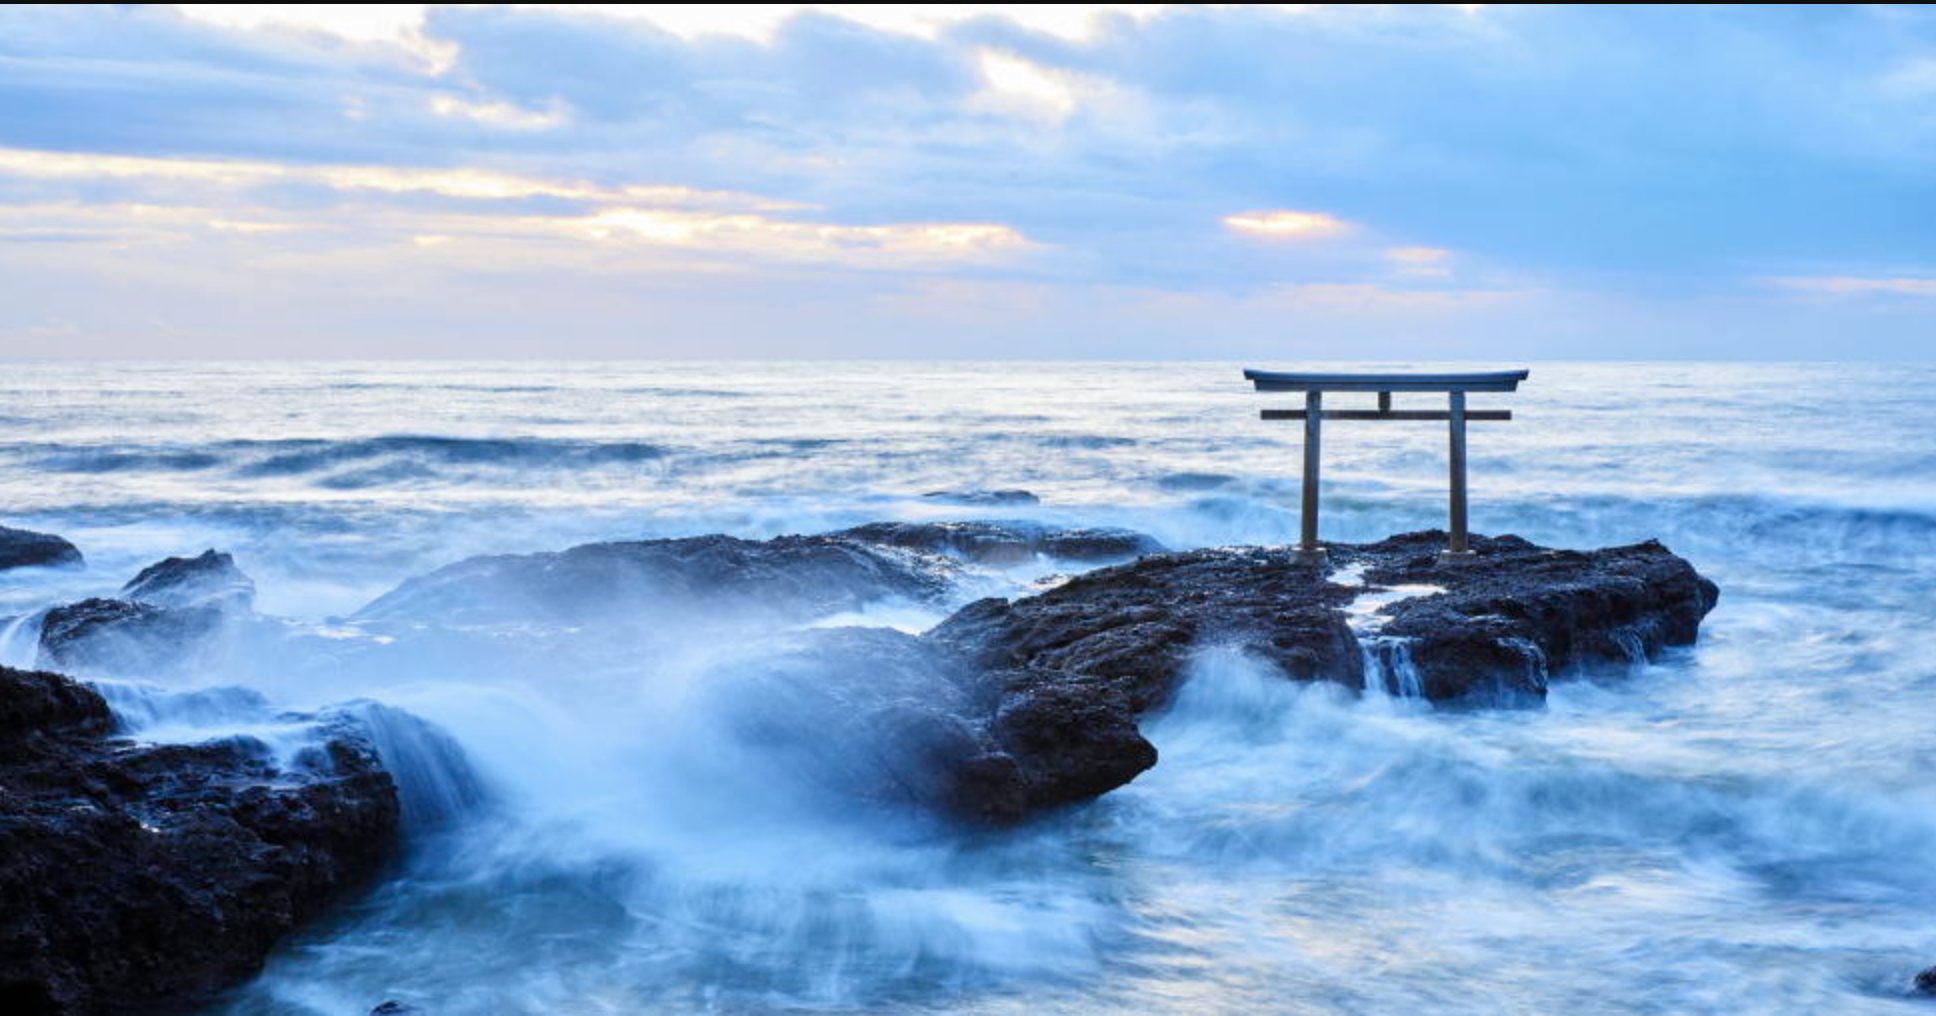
963 180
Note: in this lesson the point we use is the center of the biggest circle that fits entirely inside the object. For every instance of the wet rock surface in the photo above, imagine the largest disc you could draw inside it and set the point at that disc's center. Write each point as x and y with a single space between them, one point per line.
787 577
151 877
22 548
99 635
1515 614
1070 671
156 623
208 579
1006 542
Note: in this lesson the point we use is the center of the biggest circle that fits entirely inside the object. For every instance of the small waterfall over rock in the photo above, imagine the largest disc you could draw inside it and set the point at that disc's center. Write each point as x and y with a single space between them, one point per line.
20 640
1537 673
1388 667
1630 643
1389 670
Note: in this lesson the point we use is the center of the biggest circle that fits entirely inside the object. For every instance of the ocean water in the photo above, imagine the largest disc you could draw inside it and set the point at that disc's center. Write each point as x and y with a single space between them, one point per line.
1748 825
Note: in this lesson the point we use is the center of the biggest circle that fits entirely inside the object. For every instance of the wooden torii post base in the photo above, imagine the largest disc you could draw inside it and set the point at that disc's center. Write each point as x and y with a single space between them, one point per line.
1455 414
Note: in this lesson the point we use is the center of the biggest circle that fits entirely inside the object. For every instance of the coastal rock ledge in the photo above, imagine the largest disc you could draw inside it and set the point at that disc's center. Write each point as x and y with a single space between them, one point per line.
144 877
1065 675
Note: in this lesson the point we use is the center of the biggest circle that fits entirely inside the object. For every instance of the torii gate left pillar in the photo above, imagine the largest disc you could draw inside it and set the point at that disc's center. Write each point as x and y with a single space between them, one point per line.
1455 414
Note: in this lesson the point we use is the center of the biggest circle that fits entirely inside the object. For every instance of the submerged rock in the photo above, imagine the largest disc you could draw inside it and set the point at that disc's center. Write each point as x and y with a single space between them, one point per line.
163 617
653 581
151 877
873 716
1006 542
983 497
21 548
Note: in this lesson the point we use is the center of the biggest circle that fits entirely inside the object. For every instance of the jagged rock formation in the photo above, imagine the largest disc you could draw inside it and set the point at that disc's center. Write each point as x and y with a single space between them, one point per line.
1069 671
21 548
208 579
1518 614
151 877
159 619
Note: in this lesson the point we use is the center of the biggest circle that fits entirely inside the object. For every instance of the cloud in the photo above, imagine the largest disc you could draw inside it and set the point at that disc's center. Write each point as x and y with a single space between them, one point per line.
1286 224
1618 153
1850 285
217 198
479 184
497 114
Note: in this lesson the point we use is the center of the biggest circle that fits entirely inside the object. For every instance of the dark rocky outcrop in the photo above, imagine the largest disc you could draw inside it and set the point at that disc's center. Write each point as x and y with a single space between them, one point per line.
150 877
789 577
1006 542
1074 667
1066 674
1518 614
208 579
1925 984
160 620
20 548
97 636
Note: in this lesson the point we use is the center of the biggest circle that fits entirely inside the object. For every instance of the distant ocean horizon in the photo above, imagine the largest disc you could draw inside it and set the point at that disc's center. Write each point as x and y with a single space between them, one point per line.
1745 826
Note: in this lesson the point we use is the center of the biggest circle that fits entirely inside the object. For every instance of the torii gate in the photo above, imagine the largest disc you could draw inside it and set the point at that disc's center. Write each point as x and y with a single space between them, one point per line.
1315 385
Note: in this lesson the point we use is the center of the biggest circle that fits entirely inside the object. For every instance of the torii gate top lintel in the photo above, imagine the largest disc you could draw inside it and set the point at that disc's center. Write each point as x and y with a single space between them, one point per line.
1455 414
1490 381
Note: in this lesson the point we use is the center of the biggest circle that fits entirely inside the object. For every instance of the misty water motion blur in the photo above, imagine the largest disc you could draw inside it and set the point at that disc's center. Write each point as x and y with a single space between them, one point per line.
1745 826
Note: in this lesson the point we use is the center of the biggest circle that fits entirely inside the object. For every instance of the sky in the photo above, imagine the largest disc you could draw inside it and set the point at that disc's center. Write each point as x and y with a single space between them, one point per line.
963 181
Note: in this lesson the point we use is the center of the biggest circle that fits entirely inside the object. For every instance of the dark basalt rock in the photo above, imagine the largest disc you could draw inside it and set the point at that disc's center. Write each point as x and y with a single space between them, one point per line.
210 579
989 498
1516 614
21 548
162 618
98 636
789 577
1005 542
151 877
1071 670
1132 626
1074 667
1926 983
